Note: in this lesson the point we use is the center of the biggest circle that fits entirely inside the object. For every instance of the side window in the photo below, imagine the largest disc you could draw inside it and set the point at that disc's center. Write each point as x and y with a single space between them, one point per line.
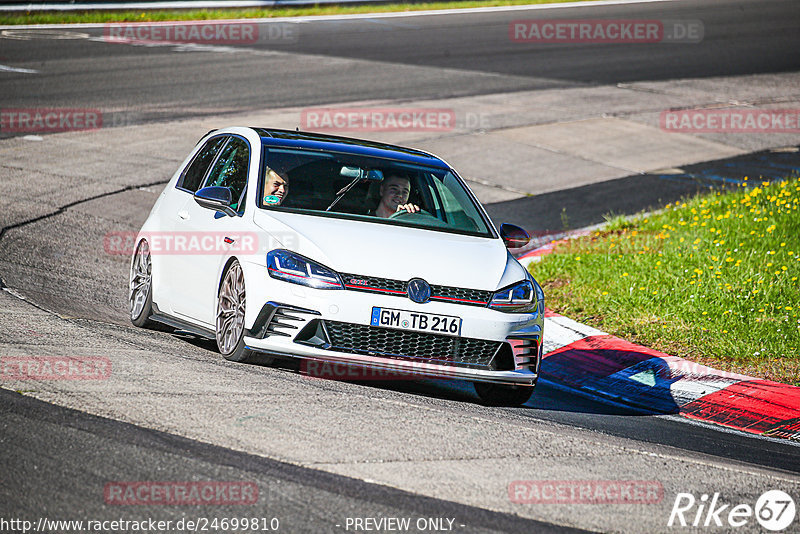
459 211
230 169
196 170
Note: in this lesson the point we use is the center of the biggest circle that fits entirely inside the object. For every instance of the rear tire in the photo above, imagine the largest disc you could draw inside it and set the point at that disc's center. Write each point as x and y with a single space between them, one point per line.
231 305
140 295
501 395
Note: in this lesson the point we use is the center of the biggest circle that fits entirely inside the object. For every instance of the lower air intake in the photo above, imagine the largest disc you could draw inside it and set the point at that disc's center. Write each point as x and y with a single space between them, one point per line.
390 343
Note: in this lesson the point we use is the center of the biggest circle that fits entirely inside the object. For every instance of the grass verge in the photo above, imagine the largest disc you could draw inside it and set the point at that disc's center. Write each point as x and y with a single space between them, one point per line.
32 17
713 279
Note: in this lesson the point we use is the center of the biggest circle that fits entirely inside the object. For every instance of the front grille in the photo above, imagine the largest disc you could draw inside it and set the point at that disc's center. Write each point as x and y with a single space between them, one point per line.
373 284
390 343
457 295
474 297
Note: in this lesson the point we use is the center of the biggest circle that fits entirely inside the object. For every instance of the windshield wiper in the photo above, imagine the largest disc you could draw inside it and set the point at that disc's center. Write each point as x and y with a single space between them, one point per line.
343 191
358 175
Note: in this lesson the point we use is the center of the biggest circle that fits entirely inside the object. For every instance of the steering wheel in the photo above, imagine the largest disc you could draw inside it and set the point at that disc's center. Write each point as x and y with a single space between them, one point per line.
403 214
421 217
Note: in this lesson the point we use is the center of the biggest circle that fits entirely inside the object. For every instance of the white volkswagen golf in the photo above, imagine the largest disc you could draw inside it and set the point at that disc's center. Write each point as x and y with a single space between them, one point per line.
332 249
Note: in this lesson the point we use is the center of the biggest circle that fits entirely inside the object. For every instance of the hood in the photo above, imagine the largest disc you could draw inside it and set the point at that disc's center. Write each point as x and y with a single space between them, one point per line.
393 251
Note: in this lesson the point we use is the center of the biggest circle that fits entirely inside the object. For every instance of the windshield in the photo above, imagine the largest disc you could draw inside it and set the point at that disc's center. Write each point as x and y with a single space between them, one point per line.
371 189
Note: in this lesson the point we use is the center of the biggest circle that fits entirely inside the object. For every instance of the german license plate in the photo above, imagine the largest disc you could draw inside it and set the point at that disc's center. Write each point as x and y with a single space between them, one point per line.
416 321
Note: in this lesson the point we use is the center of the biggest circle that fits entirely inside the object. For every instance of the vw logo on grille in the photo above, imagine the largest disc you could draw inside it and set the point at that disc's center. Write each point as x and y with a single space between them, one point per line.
419 291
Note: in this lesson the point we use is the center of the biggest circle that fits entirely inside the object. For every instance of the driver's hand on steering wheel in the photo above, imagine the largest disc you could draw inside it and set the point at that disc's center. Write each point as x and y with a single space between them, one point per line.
409 208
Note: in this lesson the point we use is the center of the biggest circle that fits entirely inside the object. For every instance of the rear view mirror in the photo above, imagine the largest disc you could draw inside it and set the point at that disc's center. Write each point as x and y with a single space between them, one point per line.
216 198
514 236
357 173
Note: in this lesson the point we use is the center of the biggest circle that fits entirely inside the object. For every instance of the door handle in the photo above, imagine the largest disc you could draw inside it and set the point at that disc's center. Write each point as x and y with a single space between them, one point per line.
183 215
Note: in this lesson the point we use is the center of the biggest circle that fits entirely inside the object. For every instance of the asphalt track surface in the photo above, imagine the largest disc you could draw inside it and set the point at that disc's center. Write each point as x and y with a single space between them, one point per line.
412 57
293 493
406 58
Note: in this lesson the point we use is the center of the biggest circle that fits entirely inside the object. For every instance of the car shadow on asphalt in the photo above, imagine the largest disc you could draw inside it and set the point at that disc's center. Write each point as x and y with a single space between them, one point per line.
586 395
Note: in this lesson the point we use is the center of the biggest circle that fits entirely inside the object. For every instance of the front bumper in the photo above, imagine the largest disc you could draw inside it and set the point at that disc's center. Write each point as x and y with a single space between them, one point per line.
406 369
292 331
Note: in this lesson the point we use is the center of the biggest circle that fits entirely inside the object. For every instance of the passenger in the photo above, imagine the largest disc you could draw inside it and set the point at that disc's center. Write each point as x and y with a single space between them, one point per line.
394 197
276 187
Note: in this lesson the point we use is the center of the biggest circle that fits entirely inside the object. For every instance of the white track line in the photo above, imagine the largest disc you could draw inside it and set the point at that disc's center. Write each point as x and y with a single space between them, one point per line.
6 68
434 12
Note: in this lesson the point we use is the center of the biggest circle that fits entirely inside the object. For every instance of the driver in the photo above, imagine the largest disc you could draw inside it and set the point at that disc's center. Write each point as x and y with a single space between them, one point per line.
276 187
394 197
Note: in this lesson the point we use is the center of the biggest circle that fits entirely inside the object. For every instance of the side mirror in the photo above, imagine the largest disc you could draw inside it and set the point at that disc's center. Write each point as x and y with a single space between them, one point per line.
514 236
216 198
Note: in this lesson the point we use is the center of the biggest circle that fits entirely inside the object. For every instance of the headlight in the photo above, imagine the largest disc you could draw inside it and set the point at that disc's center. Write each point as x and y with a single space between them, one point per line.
522 297
294 268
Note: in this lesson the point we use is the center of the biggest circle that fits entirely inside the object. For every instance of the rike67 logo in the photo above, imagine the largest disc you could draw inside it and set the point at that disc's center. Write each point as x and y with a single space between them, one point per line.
774 510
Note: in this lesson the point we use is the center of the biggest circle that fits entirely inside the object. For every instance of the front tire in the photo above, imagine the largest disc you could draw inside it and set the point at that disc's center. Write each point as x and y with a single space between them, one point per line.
140 295
231 305
500 395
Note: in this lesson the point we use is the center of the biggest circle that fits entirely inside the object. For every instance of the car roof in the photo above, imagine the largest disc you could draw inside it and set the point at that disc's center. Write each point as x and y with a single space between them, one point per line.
325 142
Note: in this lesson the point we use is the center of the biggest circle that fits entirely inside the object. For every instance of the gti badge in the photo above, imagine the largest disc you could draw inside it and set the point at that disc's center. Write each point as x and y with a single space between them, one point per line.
419 291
